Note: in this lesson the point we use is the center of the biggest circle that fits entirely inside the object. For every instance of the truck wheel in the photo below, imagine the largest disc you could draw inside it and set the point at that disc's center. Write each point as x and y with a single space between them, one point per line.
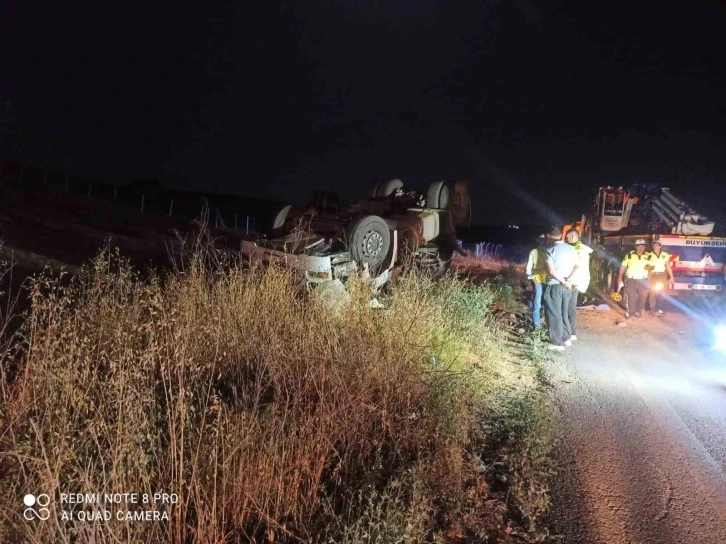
451 196
459 203
281 218
386 188
437 197
369 240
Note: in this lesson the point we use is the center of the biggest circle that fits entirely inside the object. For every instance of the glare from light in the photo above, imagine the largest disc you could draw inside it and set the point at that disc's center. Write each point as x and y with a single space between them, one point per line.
659 286
720 334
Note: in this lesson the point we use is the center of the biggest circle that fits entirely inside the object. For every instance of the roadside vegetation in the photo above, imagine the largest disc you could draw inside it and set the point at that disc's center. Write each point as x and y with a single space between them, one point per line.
271 417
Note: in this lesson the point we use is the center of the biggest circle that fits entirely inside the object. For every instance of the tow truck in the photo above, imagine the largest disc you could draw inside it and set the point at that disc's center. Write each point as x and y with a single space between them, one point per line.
327 239
619 216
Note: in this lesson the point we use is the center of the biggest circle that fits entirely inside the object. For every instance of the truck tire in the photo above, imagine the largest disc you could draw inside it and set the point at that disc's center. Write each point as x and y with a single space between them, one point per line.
453 197
459 203
437 197
386 188
604 277
281 218
369 240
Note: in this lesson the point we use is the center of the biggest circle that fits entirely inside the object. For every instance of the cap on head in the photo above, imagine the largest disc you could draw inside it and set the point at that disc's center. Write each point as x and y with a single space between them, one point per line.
655 242
640 242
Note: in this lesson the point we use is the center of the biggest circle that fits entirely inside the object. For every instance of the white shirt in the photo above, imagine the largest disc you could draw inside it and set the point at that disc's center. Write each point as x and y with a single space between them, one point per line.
581 277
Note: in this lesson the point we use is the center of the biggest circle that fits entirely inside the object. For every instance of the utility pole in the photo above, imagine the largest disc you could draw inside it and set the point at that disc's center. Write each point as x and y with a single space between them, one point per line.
171 207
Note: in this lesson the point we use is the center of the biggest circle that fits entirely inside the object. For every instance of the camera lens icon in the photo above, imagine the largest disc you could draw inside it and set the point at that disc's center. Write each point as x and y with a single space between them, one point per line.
42 513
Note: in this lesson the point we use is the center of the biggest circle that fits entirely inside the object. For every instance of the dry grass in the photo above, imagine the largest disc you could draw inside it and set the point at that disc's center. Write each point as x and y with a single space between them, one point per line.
271 418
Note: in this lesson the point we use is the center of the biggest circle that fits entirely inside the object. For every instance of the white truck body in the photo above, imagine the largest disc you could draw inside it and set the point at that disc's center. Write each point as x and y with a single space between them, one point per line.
320 269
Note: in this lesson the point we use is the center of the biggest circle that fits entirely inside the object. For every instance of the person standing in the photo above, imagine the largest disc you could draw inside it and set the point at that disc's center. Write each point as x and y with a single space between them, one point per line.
635 268
580 278
537 274
660 273
561 264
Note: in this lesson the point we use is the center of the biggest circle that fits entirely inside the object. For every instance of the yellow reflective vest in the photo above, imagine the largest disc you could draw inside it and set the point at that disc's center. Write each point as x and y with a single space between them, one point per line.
537 266
659 261
635 265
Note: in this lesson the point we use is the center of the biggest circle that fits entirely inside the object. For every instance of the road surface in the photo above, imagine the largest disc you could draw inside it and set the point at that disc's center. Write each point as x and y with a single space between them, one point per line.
643 415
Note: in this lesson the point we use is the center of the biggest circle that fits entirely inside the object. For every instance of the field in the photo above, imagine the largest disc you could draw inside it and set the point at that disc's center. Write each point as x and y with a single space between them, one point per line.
269 417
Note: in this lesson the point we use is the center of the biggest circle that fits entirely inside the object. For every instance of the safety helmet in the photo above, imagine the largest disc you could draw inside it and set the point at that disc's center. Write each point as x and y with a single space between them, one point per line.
640 242
657 241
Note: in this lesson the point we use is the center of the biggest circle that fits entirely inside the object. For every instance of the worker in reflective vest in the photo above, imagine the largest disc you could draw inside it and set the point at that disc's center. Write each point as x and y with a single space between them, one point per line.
661 274
635 268
537 273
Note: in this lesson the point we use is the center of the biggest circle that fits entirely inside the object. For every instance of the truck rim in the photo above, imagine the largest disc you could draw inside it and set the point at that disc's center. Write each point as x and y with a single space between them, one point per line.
372 243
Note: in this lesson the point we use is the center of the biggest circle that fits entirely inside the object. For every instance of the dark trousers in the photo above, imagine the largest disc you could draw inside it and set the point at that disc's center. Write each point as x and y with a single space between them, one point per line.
557 303
636 293
572 314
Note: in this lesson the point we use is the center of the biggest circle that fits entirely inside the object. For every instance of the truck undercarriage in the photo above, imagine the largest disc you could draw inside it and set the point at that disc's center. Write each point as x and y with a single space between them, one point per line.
327 239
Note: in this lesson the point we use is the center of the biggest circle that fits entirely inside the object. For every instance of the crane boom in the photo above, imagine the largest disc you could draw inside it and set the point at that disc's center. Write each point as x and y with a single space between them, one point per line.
683 219
659 209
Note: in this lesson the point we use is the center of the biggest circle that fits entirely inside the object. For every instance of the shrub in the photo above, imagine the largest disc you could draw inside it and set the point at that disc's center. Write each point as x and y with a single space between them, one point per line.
270 416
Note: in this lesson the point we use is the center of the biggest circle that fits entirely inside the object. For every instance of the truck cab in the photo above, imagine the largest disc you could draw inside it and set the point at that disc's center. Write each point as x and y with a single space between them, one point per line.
612 208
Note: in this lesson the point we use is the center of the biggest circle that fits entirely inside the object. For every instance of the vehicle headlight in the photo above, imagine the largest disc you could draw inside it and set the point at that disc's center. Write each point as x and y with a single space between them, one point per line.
659 286
720 338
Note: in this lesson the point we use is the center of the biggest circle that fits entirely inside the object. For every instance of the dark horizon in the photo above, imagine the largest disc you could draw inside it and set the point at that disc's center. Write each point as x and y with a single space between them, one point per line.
534 105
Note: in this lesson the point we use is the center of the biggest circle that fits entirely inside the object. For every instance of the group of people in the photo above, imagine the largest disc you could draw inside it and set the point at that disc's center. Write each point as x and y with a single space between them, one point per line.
559 270
641 269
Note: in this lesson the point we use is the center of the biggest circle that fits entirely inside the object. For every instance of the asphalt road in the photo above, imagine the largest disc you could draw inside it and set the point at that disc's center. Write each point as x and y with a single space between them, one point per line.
642 410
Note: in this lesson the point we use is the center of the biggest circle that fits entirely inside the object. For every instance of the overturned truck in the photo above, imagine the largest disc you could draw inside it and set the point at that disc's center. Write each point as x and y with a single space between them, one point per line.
327 239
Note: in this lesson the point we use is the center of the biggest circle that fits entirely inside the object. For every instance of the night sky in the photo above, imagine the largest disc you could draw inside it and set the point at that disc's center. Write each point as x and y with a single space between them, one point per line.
532 102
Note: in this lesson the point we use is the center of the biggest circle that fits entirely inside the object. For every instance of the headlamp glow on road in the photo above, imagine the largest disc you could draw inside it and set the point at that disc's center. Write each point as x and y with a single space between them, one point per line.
720 334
